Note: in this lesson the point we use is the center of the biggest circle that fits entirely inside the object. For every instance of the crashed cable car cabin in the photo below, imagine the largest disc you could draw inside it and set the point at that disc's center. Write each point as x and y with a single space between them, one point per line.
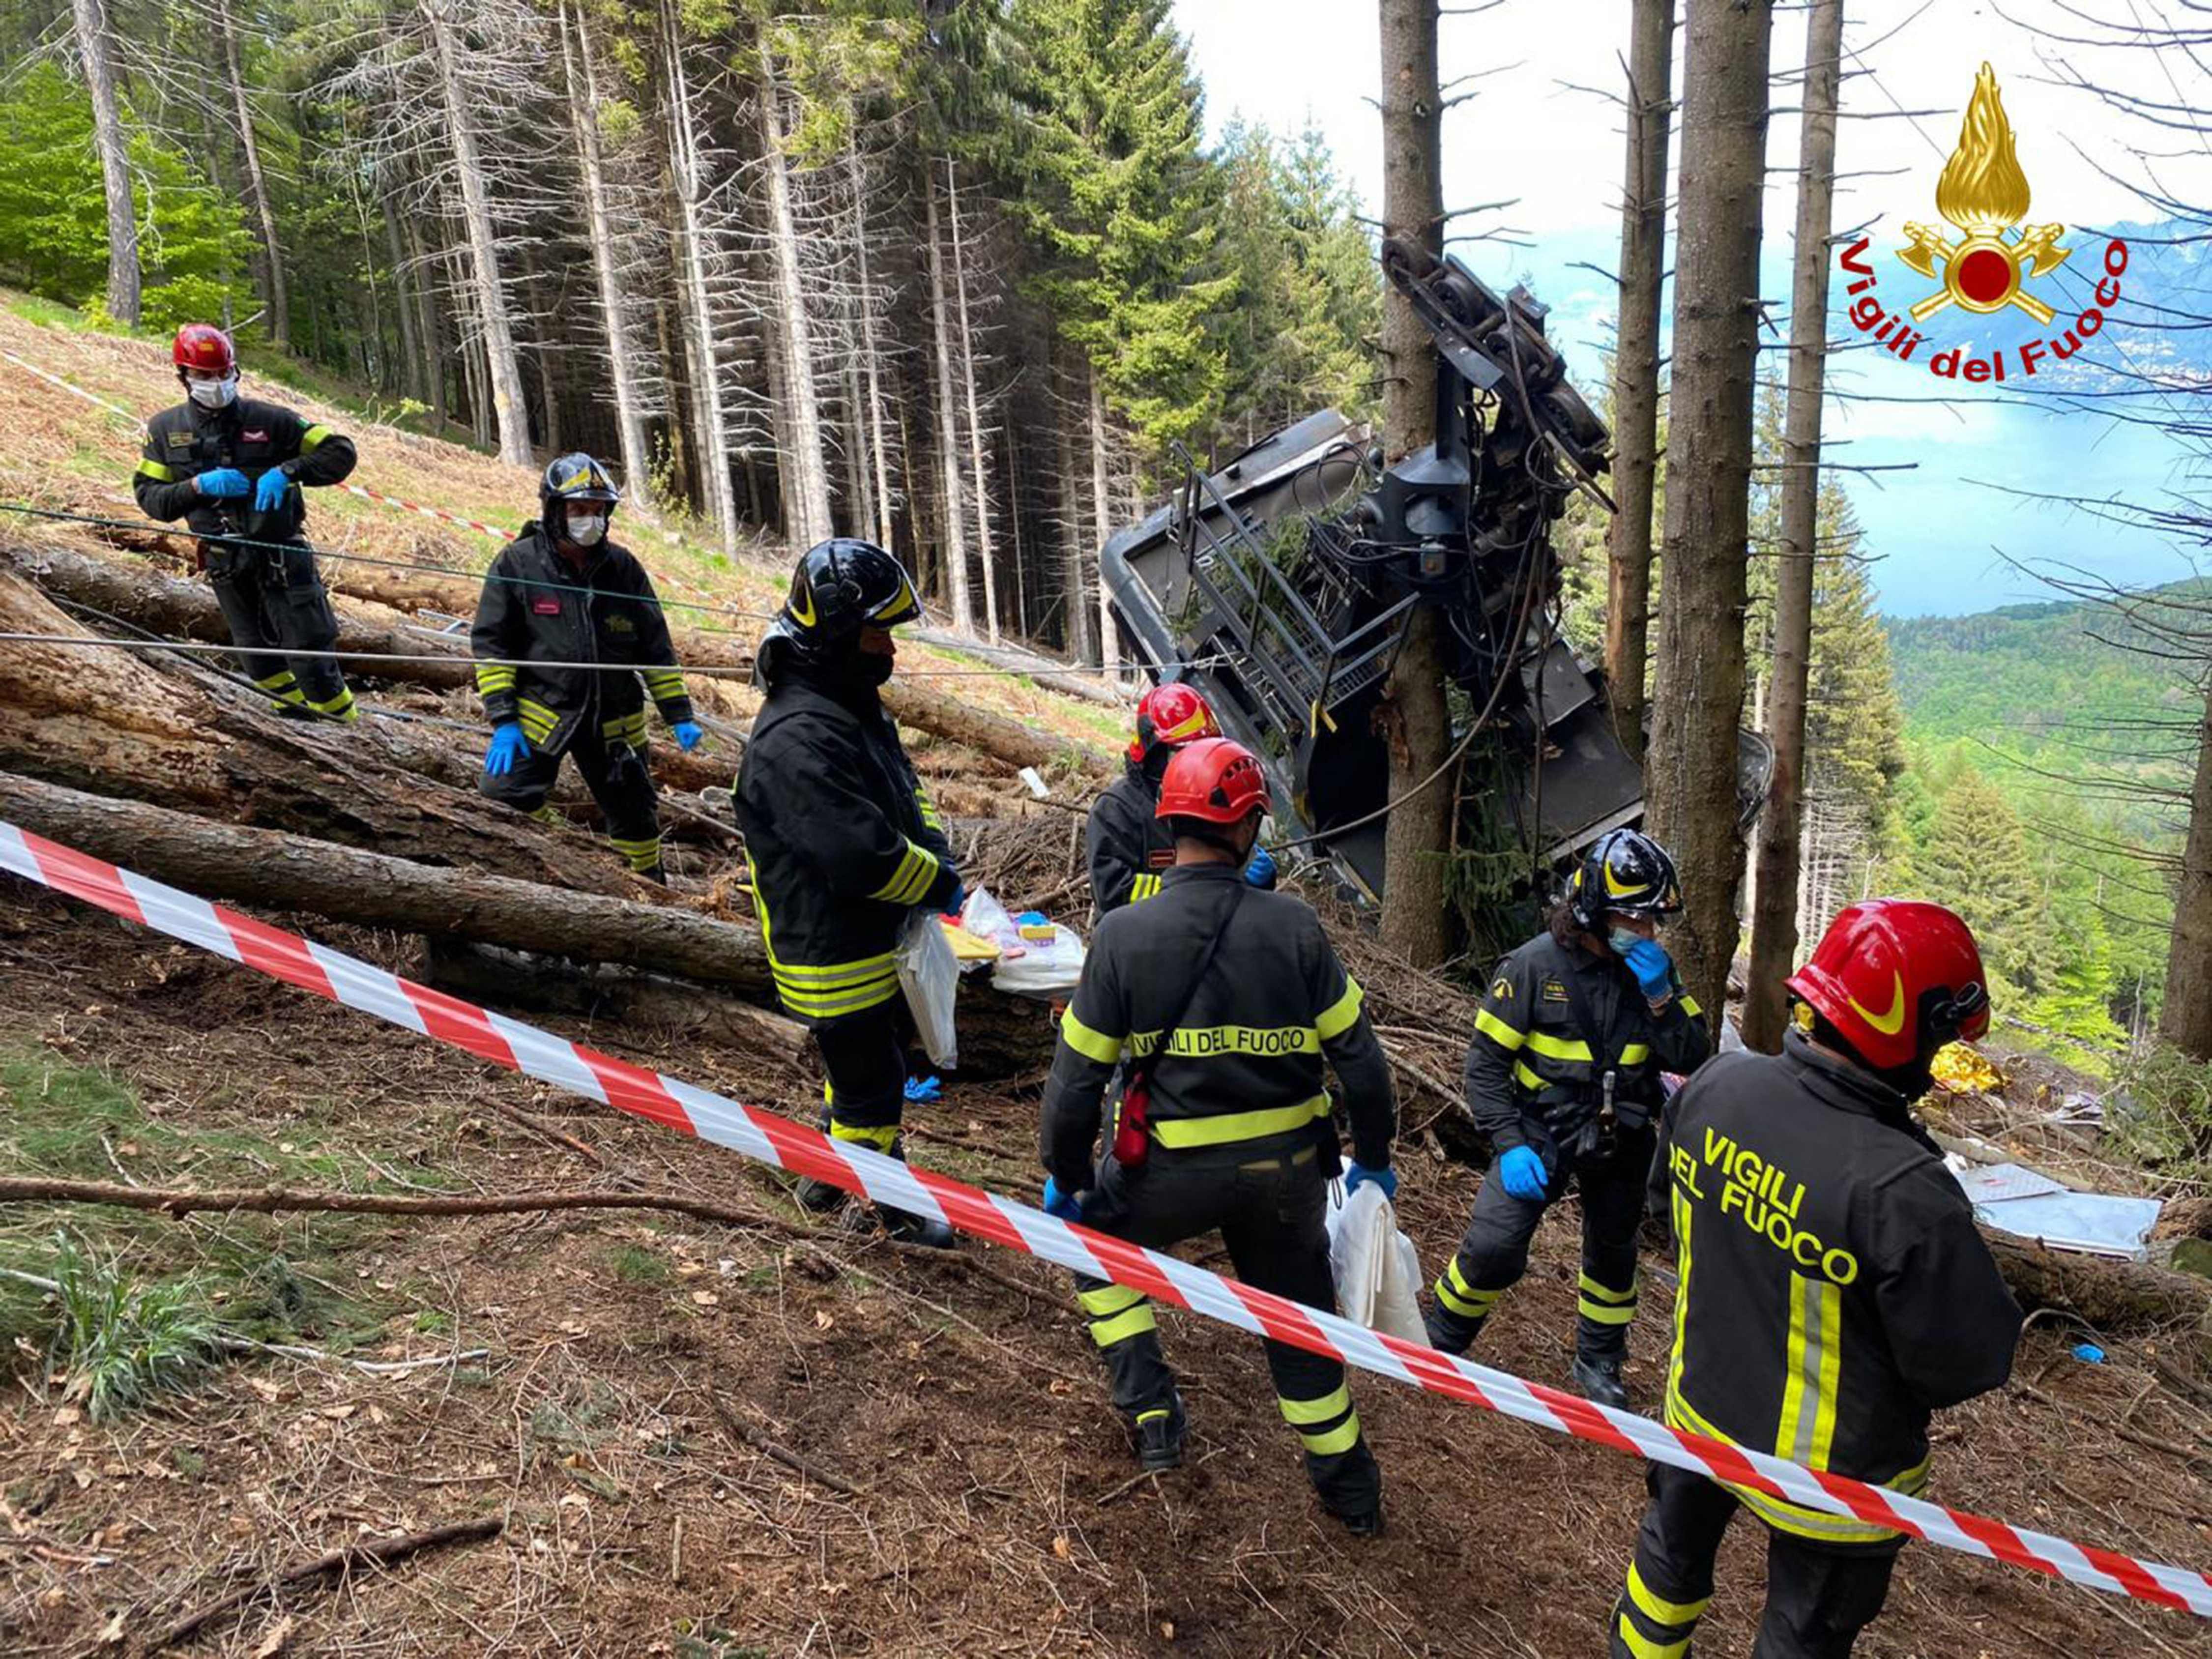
1281 584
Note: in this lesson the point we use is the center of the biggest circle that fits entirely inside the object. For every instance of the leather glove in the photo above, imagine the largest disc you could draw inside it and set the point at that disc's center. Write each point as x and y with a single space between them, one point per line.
508 746
1261 872
924 1091
1358 1175
1653 967
688 735
1068 1207
1523 1172
224 483
269 490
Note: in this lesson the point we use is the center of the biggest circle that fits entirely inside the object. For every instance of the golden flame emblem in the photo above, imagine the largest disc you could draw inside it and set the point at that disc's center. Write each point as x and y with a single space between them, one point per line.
1985 193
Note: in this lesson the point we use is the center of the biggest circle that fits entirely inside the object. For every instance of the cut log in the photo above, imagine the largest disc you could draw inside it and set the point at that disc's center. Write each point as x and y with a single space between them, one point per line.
292 872
2110 1294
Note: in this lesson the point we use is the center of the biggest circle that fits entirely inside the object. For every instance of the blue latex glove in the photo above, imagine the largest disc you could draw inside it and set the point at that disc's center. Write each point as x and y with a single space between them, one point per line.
269 490
1068 1207
959 897
924 1091
1523 1172
224 483
1653 967
688 735
1261 872
509 745
1357 1175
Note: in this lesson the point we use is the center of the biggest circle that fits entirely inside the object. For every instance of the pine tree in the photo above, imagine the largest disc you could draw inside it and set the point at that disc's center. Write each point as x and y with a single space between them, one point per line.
1976 860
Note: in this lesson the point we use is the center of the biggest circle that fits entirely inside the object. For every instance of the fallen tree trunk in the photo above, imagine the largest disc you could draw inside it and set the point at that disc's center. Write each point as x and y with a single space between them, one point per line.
291 873
2110 1294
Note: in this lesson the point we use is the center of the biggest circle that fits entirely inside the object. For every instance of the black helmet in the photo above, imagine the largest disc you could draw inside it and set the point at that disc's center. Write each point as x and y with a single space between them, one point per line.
1624 870
840 586
574 477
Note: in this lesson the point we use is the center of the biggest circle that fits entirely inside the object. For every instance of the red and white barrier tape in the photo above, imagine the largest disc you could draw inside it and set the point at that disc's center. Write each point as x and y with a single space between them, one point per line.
437 513
777 1140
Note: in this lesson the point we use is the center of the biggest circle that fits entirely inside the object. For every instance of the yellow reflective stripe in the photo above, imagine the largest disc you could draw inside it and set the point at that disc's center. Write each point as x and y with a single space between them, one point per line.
1552 1047
829 1004
930 815
546 813
537 720
1203 1041
1636 1053
494 677
1121 1327
835 975
1681 1207
1305 1411
1143 887
1641 1646
1498 1031
1690 1005
1180 1132
1604 1312
1529 1079
1109 1299
1597 1292
311 439
663 683
1812 1369
878 1135
1091 1045
1462 1297
1330 1442
1658 1608
156 471
336 705
917 869
1341 1015
1783 1514
276 682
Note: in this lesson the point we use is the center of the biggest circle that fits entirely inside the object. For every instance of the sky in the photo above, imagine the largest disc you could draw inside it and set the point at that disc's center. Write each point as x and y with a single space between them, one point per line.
1542 127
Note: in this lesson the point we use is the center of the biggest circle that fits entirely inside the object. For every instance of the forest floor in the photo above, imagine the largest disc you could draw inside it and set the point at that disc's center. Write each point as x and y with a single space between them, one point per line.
947 1476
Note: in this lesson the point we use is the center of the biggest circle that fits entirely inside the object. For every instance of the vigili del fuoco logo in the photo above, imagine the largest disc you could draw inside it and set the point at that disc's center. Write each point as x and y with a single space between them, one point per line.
1992 265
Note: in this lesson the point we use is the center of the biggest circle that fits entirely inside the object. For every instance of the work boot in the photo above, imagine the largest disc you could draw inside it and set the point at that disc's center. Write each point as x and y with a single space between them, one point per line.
1368 1523
656 873
1159 1435
818 1196
1599 1379
1447 1332
907 1228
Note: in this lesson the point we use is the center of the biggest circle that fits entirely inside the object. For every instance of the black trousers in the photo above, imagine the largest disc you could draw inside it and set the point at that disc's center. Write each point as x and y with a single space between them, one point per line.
1268 1200
865 1093
1819 1596
274 601
1494 1253
616 774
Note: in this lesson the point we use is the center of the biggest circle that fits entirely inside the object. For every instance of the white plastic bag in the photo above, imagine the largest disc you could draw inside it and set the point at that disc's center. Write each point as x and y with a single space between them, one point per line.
1376 1269
929 973
1026 967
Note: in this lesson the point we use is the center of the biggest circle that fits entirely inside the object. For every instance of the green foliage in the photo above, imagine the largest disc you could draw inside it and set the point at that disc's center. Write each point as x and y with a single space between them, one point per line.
2165 1121
121 1342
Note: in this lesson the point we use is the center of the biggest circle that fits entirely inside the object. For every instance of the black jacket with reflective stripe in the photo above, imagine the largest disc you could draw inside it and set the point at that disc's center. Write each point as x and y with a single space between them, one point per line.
540 609
1130 849
1246 1061
1833 1290
185 441
842 842
1528 1055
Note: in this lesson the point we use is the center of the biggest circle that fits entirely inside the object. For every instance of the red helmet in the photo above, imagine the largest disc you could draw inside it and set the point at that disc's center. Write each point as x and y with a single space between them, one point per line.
1897 979
1174 714
1216 779
204 346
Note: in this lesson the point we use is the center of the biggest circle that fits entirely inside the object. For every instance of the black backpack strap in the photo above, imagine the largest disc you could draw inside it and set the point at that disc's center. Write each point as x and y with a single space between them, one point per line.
1140 1074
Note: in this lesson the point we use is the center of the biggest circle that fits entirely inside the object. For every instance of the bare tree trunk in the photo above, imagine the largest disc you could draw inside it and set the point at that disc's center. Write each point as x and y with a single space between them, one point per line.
1014 523
974 418
1416 919
622 357
806 477
1774 933
2185 1021
92 45
1075 614
871 365
414 380
1650 116
497 330
1110 640
1691 768
718 493
257 187
948 423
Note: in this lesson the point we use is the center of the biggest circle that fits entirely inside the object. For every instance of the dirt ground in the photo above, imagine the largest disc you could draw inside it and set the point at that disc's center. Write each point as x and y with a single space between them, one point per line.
967 1490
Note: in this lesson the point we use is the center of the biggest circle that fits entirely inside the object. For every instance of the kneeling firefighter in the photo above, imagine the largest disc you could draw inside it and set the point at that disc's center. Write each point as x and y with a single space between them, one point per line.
1562 1075
843 841
1226 999
558 599
1129 845
1833 1290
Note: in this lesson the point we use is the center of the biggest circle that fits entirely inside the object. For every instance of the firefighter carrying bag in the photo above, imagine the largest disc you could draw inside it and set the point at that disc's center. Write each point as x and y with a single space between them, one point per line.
1131 1144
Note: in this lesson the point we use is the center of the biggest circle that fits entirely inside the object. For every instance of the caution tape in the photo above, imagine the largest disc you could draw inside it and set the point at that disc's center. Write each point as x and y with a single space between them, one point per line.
776 1140
437 513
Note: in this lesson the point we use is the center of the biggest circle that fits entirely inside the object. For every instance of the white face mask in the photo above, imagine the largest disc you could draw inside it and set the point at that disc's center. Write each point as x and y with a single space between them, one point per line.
213 394
586 531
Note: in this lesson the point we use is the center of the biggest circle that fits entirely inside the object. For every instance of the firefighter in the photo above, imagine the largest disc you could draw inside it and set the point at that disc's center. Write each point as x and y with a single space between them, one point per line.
1129 844
843 841
232 468
1236 995
558 596
1562 1075
1833 1291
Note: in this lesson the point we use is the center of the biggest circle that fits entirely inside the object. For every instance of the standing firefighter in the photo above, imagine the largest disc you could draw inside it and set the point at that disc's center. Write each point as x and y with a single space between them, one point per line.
1129 844
232 467
558 602
1833 1291
1563 1075
1227 998
843 841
